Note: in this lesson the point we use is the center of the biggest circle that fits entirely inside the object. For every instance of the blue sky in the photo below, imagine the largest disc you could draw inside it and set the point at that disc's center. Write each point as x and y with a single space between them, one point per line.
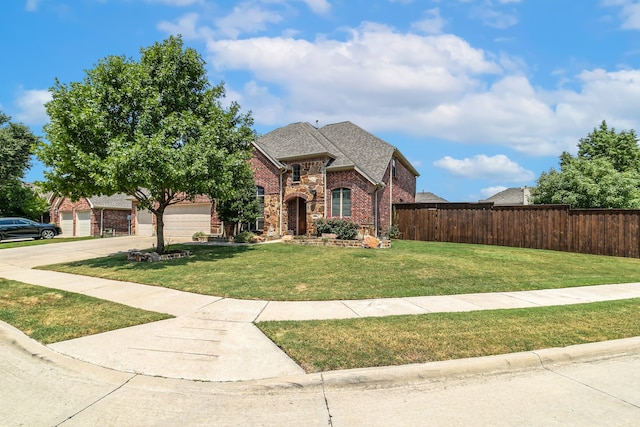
479 95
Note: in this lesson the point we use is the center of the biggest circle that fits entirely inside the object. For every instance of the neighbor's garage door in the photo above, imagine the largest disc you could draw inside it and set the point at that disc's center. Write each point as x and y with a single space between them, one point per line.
184 220
66 223
83 224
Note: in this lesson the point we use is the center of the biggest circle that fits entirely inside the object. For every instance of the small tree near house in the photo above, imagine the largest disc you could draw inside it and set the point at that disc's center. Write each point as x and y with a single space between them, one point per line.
154 129
241 205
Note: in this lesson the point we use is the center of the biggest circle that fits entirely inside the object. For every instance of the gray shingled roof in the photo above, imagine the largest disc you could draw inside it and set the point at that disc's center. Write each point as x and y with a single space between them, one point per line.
510 196
117 201
349 145
427 197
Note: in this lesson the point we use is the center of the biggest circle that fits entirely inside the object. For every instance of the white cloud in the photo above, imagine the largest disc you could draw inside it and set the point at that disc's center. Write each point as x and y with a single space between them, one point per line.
375 72
31 106
32 5
178 3
431 24
187 26
430 86
630 13
495 168
246 18
318 6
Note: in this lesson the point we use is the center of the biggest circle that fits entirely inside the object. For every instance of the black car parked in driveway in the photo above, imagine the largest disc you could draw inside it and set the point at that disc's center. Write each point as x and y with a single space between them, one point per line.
22 228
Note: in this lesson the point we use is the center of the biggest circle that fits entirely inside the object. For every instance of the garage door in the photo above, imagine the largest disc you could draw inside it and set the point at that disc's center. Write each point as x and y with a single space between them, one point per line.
83 224
184 220
66 223
144 223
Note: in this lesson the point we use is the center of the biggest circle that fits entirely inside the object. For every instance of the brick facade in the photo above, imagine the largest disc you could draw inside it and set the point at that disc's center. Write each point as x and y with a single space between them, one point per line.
306 198
101 219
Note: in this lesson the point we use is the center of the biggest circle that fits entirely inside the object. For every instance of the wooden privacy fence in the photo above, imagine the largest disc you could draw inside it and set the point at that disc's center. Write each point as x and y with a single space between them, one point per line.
612 232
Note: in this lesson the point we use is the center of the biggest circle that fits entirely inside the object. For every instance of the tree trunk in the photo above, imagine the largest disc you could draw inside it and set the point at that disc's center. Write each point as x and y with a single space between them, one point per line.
160 230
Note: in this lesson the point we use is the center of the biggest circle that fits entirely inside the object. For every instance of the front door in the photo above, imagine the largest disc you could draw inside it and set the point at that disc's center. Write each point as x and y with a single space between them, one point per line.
298 216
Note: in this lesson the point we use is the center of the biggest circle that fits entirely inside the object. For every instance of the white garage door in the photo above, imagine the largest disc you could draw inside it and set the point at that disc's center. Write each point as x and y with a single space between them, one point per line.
144 223
184 220
66 223
83 224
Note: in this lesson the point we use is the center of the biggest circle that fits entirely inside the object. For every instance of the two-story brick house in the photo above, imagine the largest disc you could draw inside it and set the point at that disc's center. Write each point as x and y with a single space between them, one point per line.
340 170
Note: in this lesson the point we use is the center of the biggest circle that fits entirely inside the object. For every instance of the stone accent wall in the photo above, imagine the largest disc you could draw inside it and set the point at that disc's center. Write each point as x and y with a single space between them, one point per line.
267 176
310 188
272 215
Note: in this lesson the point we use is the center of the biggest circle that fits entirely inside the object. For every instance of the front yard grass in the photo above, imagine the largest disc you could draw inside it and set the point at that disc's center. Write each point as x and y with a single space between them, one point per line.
50 315
297 273
399 340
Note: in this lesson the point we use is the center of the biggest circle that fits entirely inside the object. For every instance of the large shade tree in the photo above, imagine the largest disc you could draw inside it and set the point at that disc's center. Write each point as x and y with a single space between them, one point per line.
154 129
605 173
17 144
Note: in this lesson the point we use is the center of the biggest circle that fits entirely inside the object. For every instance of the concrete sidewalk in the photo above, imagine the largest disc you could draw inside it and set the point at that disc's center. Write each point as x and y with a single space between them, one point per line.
215 339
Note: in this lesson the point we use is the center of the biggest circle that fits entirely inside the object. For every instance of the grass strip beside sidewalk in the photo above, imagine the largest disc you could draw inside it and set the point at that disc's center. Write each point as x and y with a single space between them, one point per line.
399 340
50 315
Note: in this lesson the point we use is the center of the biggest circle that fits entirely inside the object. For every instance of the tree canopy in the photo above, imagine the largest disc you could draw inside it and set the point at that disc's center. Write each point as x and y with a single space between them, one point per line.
154 129
17 144
604 174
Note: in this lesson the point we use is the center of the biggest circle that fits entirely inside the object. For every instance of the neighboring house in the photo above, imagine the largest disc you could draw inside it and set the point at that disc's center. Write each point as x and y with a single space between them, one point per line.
340 170
510 197
426 197
92 216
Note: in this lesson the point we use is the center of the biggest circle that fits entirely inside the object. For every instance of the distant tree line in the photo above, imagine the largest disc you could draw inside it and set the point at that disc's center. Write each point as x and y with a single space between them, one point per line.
605 173
17 144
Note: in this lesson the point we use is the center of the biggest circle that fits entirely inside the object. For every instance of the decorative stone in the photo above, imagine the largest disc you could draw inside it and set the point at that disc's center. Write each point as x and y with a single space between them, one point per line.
287 237
329 236
370 242
139 256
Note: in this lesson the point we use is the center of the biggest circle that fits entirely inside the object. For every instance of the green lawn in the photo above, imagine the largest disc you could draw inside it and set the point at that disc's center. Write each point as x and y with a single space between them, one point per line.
6 244
399 340
293 272
50 315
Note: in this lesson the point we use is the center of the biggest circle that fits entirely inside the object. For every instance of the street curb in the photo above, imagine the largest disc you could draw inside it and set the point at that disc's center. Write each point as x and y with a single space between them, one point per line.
395 376
376 377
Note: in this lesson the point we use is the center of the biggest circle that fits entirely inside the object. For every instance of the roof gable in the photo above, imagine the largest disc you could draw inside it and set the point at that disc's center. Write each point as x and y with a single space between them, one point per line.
350 147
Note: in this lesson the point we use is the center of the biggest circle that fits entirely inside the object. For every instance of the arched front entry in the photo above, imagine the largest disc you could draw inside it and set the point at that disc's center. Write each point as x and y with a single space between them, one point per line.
297 218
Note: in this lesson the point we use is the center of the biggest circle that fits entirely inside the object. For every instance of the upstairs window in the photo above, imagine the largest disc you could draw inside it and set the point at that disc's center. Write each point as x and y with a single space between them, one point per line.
295 173
394 171
341 202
